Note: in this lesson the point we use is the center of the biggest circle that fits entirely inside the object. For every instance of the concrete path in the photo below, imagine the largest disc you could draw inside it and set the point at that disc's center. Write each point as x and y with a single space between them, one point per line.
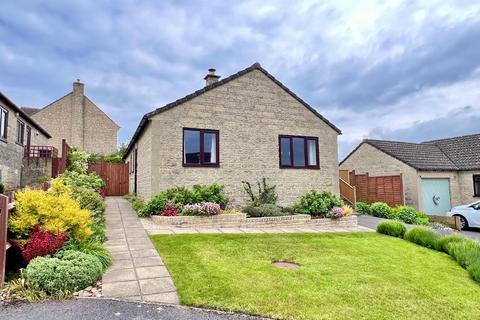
372 222
153 228
93 309
138 272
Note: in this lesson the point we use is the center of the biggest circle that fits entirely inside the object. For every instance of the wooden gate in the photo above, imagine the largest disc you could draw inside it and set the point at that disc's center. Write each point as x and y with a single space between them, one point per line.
115 176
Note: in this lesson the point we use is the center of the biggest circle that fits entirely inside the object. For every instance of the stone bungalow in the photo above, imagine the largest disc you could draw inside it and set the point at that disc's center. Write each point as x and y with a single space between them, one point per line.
436 174
17 131
78 120
244 127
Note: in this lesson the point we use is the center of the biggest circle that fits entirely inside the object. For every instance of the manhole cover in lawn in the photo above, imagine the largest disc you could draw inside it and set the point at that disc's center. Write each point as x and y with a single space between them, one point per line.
286 265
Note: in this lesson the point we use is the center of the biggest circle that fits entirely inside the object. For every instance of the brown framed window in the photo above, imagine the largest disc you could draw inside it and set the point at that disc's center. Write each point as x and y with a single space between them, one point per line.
20 132
200 147
298 152
3 123
476 185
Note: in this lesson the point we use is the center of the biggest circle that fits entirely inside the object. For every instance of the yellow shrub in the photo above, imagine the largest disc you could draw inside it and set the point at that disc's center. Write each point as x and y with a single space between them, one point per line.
52 210
229 211
58 187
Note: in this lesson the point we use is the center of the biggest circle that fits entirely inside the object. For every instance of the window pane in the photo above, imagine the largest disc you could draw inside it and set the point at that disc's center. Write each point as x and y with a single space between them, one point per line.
298 152
285 152
476 180
312 152
210 147
3 122
191 146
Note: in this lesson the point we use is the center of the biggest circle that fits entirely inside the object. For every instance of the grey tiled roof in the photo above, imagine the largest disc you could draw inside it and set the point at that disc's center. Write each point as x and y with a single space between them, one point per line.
464 151
458 153
418 155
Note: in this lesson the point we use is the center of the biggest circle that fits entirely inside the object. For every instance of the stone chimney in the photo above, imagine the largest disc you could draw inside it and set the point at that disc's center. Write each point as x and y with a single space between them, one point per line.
211 77
78 87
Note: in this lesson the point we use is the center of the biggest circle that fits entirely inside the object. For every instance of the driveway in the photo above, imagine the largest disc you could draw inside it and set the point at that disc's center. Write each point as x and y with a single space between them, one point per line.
92 309
372 222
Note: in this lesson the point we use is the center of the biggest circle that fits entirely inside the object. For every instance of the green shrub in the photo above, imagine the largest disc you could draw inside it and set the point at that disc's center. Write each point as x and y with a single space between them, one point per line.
137 204
406 214
71 272
317 203
76 180
392 228
265 210
362 208
92 248
98 233
113 158
77 160
265 195
443 242
423 236
182 196
465 252
381 210
474 271
92 201
421 219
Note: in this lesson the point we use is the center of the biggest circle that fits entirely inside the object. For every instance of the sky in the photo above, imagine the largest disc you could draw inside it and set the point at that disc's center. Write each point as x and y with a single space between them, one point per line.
399 70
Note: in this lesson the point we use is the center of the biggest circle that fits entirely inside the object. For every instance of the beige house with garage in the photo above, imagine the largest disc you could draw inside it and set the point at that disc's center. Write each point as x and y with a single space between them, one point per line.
243 127
437 175
78 120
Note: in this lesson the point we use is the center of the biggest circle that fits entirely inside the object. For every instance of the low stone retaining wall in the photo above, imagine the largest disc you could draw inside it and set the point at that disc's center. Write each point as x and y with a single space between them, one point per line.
241 220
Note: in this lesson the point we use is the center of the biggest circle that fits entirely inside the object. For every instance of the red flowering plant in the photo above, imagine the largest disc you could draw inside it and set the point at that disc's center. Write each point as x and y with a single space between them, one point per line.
41 243
170 209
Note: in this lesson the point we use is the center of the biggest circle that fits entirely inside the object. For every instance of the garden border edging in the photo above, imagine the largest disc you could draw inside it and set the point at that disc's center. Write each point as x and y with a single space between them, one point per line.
241 220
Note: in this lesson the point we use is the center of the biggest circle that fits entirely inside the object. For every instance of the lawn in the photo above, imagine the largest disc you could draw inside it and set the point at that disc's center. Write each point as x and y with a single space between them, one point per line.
342 276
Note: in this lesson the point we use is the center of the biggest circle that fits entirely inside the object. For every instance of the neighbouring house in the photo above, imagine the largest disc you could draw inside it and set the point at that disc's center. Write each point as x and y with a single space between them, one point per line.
18 132
79 121
436 174
242 128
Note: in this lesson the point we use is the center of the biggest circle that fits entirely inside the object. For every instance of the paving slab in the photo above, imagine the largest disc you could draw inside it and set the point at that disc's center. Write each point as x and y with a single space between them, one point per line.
138 272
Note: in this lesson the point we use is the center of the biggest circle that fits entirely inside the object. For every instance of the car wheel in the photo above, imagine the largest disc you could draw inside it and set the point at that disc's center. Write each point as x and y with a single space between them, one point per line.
463 222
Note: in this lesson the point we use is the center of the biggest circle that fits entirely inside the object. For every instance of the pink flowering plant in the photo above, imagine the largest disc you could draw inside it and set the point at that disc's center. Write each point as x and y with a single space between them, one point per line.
336 213
201 209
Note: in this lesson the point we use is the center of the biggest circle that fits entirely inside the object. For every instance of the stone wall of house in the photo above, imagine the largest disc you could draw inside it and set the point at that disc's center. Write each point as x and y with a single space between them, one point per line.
11 153
144 165
250 112
80 122
368 159
100 132
465 180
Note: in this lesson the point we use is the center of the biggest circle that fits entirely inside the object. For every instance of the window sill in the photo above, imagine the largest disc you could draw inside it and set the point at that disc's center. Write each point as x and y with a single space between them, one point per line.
19 144
304 168
190 165
3 140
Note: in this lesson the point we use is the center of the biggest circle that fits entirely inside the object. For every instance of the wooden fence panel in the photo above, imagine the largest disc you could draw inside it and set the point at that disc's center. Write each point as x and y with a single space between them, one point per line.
6 203
115 176
388 189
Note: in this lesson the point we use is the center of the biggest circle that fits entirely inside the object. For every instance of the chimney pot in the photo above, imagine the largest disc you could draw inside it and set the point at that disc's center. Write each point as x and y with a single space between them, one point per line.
211 77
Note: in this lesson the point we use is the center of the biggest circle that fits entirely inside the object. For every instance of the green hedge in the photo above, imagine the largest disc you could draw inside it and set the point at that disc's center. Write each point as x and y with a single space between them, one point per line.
423 236
392 228
265 210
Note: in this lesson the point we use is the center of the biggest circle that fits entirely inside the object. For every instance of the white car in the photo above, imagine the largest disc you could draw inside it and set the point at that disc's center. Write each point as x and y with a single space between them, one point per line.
469 214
